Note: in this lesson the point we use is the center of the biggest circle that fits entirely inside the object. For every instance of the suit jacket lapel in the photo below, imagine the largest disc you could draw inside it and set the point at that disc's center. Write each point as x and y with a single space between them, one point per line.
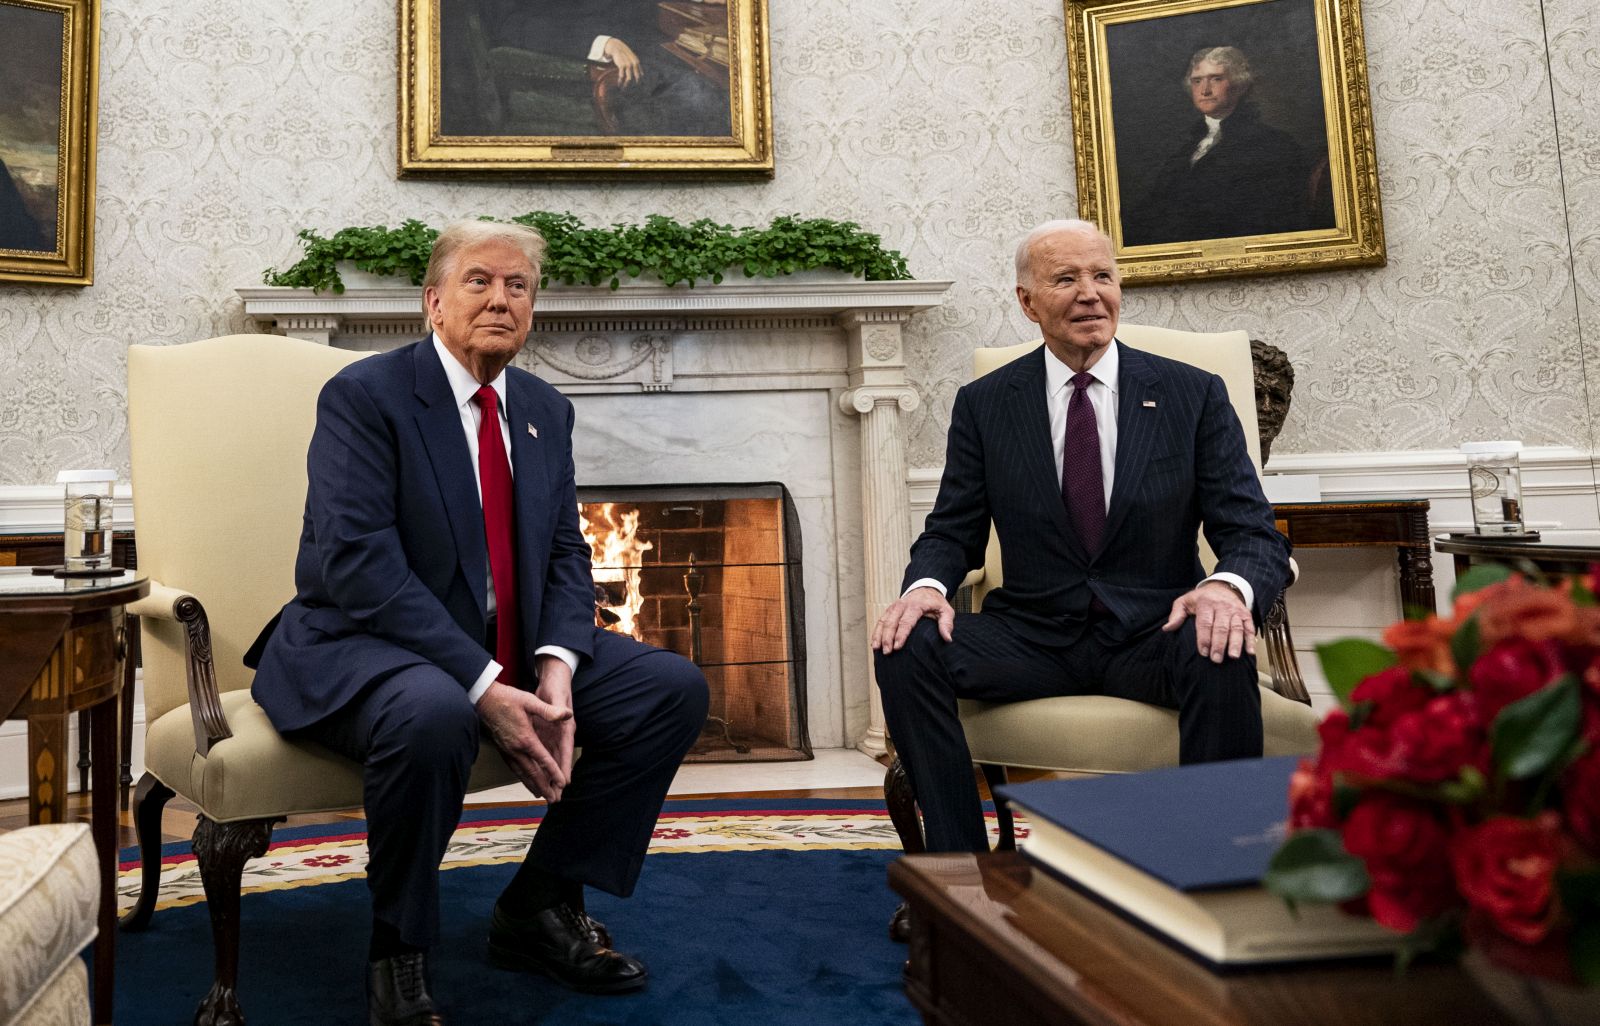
1029 417
1137 383
530 476
440 424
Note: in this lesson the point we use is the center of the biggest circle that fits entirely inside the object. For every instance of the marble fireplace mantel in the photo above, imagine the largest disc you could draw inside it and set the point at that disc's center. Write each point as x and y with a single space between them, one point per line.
766 347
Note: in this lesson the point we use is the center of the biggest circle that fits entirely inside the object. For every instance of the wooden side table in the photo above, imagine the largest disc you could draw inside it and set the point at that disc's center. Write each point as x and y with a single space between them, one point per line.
994 940
63 644
43 549
1399 524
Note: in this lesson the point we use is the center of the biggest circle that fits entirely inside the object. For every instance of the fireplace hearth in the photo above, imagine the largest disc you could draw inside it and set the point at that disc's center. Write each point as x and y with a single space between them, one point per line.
712 573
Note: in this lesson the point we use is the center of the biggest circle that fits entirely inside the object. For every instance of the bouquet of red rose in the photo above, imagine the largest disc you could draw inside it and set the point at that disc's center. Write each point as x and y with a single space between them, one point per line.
1456 795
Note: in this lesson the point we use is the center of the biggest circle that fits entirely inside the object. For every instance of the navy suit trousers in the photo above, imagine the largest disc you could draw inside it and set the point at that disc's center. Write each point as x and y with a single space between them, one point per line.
638 710
1219 705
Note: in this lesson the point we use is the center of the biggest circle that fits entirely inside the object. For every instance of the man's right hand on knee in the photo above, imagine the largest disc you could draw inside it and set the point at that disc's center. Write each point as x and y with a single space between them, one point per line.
894 626
508 714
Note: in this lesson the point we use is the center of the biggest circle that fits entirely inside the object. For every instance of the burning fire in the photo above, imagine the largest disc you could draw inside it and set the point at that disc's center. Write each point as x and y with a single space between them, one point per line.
612 536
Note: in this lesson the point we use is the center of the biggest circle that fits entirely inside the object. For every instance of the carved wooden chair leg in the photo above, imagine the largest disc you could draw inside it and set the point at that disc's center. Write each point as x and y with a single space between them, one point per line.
148 801
222 849
902 803
995 776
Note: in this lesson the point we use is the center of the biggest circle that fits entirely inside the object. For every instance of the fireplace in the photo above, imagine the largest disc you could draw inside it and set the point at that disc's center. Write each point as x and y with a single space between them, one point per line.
795 381
712 573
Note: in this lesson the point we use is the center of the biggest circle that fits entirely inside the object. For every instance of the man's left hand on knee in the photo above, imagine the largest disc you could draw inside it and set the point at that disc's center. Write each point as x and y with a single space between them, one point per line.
1223 626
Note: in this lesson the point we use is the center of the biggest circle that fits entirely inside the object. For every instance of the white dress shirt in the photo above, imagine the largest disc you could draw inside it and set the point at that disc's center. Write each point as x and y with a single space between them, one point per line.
464 387
1102 393
1213 133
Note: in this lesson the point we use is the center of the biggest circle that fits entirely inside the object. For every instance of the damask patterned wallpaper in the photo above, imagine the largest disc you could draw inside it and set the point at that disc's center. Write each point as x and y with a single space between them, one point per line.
224 127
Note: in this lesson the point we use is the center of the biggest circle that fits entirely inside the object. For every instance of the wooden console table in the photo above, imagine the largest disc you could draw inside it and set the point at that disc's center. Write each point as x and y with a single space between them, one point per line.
62 649
993 940
1399 524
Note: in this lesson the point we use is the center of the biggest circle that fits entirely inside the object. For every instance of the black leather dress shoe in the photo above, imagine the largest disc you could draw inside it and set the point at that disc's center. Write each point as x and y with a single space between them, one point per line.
565 945
900 924
397 992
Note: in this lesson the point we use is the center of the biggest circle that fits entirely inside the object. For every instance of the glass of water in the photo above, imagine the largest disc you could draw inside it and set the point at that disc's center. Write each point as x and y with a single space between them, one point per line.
88 518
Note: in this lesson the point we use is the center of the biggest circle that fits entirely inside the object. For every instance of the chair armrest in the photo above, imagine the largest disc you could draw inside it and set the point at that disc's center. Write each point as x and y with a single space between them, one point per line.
973 578
205 702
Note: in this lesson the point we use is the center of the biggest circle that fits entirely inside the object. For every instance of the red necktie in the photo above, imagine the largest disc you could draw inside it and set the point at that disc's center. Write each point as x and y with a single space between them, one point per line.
494 479
1083 486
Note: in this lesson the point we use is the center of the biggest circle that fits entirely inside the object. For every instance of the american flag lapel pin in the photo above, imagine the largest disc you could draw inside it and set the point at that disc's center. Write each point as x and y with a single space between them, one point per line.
535 431
1149 404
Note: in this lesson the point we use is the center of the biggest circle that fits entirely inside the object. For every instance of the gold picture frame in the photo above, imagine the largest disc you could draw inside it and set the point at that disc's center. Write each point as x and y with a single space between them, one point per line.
1288 180
47 139
610 89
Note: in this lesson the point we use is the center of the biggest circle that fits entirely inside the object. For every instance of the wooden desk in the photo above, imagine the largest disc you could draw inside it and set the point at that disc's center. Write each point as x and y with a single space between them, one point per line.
1399 524
62 649
994 941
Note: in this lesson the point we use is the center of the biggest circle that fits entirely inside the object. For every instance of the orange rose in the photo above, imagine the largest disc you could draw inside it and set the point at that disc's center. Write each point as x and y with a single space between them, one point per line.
1422 644
1527 612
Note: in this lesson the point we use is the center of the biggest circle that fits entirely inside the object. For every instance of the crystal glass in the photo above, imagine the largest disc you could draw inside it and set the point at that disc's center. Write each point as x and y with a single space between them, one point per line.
88 518
1494 471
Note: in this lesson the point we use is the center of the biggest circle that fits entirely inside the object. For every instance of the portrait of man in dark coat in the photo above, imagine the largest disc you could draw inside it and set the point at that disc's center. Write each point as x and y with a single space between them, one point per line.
1230 173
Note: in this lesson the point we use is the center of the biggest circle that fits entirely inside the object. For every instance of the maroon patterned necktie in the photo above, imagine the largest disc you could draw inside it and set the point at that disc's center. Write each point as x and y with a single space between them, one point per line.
494 478
1082 486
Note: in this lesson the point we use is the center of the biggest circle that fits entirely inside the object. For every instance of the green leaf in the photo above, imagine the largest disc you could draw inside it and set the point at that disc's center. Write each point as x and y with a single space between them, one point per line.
1532 734
1585 952
1312 865
1441 683
1349 662
1479 577
1465 789
1465 644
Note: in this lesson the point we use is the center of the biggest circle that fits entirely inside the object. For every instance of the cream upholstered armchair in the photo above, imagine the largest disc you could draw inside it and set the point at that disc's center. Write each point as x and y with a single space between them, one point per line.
1098 733
219 436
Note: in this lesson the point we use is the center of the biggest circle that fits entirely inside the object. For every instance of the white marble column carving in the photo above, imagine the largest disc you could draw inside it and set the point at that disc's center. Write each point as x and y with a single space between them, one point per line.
879 394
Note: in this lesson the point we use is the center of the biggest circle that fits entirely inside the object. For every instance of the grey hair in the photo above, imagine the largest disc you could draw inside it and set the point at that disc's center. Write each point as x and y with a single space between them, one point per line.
1232 60
1025 247
459 235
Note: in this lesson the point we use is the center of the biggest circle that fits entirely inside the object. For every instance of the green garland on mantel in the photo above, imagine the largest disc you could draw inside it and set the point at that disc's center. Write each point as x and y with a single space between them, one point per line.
578 255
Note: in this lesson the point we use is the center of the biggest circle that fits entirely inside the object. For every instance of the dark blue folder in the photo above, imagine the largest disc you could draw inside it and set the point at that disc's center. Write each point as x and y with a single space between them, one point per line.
1196 828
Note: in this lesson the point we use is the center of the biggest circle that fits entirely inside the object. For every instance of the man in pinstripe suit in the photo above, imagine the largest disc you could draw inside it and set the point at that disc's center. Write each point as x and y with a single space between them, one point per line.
1098 464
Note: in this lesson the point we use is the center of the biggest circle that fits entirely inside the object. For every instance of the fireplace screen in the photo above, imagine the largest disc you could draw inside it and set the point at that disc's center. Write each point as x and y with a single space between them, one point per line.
712 573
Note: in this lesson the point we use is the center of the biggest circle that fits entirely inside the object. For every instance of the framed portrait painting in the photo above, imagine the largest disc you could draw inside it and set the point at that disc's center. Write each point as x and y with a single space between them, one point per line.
47 138
1224 137
585 88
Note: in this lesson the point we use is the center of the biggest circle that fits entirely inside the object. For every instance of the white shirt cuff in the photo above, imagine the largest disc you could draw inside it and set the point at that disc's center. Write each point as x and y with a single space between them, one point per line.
1243 585
926 582
597 52
566 655
489 675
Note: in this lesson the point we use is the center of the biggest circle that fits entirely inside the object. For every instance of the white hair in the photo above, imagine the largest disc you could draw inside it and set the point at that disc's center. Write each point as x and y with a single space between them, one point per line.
458 235
1232 59
1025 247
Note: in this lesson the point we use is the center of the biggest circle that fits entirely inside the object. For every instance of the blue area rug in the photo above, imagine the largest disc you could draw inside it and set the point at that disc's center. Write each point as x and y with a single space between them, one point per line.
747 912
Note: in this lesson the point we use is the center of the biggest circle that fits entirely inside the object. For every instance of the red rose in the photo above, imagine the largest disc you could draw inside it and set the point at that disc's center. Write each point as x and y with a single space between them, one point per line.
1391 693
1580 800
1512 670
1422 644
1591 580
1425 746
1404 845
1434 743
1505 868
1310 798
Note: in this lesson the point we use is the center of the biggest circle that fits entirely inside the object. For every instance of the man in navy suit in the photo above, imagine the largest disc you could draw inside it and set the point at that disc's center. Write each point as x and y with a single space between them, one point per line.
1098 464
443 591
